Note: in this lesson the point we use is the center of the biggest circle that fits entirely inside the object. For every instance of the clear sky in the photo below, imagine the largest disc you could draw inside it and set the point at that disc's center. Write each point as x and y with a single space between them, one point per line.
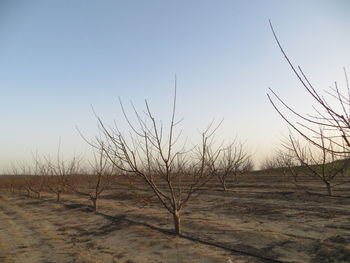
59 57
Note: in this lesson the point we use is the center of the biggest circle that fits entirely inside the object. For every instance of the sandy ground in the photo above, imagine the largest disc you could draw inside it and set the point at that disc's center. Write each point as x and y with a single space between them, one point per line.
249 223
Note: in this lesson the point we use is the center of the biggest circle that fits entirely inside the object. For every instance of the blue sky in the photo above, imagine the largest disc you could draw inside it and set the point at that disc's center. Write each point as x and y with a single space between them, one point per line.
59 57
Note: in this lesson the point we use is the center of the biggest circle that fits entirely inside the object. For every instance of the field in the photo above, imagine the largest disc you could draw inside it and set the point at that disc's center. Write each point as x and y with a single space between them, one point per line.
264 218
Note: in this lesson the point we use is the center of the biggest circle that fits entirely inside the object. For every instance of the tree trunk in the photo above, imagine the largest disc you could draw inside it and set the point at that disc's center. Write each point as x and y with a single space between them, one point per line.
329 189
224 186
223 183
94 203
39 195
58 196
177 222
236 179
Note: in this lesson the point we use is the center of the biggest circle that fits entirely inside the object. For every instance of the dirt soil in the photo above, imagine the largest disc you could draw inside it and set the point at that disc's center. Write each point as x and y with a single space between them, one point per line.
252 222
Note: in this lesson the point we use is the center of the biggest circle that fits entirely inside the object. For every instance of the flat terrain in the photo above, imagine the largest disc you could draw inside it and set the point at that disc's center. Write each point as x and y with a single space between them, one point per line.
253 222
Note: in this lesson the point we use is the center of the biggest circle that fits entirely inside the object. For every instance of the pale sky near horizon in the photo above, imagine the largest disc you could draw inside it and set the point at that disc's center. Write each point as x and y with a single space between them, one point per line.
59 57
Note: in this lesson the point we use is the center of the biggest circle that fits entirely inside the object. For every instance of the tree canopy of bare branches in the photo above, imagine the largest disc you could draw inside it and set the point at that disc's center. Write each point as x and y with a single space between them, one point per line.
321 163
331 112
60 172
154 152
230 162
97 180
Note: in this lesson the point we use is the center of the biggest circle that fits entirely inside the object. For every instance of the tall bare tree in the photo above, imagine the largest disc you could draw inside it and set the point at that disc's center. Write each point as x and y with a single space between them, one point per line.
331 112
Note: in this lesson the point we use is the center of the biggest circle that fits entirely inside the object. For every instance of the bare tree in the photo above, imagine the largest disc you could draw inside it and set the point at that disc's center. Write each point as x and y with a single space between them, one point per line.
270 163
36 183
248 165
25 171
291 165
98 179
14 182
37 179
230 162
153 152
8 182
322 162
332 113
60 173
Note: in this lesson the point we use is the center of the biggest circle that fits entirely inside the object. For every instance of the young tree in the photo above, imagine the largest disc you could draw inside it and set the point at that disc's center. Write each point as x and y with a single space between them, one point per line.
153 153
230 162
270 163
248 165
37 179
320 162
290 165
14 178
25 172
98 179
36 183
60 173
8 182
